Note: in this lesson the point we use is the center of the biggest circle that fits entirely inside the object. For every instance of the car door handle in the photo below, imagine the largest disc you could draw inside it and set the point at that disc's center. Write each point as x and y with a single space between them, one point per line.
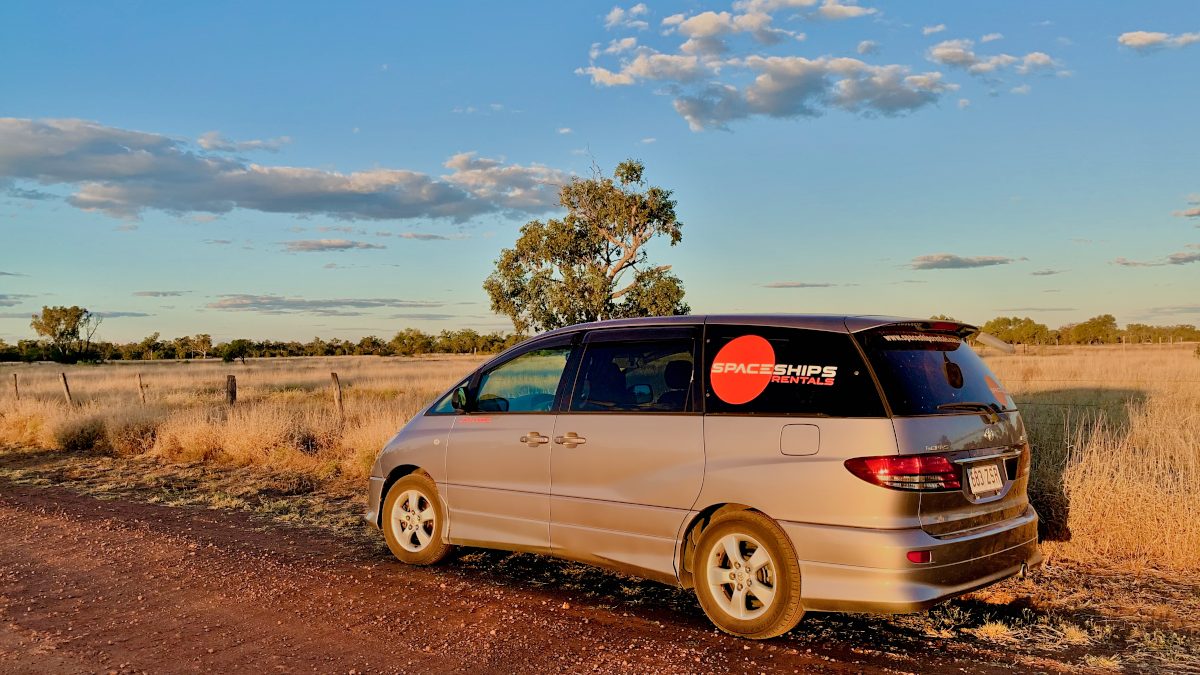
534 439
571 440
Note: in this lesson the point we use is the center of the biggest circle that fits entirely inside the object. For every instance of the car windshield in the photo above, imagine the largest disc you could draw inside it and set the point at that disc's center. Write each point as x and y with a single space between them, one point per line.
924 373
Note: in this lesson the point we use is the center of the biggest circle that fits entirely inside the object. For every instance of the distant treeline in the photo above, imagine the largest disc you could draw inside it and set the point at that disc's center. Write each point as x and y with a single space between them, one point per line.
1097 330
407 342
66 335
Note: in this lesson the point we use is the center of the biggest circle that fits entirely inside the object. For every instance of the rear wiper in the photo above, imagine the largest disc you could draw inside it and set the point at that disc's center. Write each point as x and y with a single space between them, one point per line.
992 411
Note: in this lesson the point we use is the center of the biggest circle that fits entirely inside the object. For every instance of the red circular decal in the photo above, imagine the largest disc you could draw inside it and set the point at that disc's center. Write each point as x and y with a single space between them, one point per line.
742 369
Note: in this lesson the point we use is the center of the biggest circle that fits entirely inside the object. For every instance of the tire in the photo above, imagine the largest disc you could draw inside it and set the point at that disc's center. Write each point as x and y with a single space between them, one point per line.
746 576
414 522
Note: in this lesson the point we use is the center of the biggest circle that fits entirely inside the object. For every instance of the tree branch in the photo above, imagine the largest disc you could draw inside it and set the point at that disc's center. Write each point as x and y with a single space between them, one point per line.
623 291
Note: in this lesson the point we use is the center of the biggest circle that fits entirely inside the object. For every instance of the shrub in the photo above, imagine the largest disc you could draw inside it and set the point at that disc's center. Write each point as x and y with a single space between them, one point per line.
81 434
133 432
188 436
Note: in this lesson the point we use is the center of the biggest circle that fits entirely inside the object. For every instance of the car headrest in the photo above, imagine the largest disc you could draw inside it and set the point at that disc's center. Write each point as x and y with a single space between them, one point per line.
678 374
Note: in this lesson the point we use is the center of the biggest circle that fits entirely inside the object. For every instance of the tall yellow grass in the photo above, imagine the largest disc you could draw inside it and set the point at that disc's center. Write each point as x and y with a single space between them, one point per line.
1116 439
1116 431
284 416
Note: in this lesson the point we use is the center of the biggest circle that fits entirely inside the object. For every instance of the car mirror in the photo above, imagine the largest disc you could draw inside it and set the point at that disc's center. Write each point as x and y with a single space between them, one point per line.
458 400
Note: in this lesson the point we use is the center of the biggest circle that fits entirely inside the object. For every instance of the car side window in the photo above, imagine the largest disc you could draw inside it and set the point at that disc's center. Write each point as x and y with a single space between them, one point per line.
648 376
527 383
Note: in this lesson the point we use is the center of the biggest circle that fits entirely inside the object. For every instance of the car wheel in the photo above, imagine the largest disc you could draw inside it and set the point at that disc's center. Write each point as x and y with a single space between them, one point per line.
414 522
746 576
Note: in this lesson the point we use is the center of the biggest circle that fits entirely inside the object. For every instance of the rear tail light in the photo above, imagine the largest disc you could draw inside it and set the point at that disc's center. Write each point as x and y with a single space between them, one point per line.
914 473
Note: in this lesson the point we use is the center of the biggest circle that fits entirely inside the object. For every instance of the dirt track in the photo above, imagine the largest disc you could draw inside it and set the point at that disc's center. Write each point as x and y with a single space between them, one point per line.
113 586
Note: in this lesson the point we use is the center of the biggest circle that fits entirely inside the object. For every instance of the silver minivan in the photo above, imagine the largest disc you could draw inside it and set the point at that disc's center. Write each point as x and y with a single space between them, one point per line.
776 464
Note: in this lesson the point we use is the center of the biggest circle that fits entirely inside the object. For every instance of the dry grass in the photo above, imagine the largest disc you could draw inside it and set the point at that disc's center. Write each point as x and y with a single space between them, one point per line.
1116 438
284 419
995 631
1116 432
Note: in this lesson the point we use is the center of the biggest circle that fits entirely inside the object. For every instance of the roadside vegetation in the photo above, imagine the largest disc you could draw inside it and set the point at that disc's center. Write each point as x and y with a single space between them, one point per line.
284 419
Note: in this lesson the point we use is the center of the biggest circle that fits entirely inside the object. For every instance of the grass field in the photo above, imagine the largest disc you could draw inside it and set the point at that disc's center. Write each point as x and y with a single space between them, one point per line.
1116 438
1116 431
284 418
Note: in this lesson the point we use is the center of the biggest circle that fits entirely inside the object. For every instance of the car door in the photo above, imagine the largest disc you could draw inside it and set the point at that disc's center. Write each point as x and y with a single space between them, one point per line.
498 459
627 460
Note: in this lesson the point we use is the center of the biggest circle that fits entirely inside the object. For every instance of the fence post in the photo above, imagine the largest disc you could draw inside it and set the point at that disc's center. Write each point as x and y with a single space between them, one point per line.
16 390
337 395
231 389
66 390
141 389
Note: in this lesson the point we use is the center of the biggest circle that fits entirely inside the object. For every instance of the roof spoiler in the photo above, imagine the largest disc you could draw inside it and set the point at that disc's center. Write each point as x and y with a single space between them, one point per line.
957 328
962 330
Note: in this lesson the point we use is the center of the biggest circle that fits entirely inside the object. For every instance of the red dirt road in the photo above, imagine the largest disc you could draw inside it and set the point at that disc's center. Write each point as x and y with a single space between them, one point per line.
114 586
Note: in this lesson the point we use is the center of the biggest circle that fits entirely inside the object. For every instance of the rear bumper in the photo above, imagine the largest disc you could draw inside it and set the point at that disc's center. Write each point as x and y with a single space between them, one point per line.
374 493
863 570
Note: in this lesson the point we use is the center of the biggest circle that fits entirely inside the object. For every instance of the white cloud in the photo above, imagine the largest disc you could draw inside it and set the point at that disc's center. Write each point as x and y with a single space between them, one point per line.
565 130
12 299
949 261
960 54
647 65
953 53
277 304
1021 89
342 228
605 77
1146 40
930 30
214 141
120 315
712 86
627 18
705 31
793 86
512 187
991 37
648 140
418 236
1180 258
122 173
964 103
1034 61
616 46
834 10
325 245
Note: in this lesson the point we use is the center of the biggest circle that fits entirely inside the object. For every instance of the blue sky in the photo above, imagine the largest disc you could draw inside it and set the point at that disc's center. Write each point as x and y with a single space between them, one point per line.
297 169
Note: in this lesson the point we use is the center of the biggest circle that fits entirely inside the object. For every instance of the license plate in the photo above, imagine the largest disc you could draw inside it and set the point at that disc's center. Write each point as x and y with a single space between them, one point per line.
985 478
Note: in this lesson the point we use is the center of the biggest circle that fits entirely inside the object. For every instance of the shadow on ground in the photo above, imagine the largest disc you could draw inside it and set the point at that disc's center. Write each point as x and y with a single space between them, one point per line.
1057 421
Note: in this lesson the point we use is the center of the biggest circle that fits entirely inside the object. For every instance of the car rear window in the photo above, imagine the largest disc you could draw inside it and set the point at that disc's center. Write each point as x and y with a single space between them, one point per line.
753 370
921 370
